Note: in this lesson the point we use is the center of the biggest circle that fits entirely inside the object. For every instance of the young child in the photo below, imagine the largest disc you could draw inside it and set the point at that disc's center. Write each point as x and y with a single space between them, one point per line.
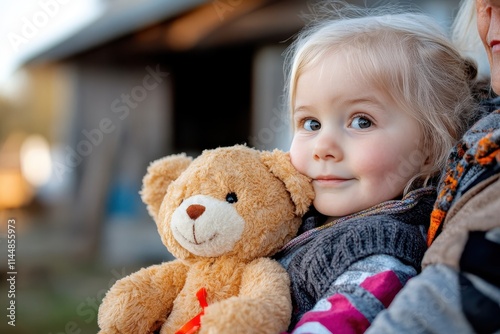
377 102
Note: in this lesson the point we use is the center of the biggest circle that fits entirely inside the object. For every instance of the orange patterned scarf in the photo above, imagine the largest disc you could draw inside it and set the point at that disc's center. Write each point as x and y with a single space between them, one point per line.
479 149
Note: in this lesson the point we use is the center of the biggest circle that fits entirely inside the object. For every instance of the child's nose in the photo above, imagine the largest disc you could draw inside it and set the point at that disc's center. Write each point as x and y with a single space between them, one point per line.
327 146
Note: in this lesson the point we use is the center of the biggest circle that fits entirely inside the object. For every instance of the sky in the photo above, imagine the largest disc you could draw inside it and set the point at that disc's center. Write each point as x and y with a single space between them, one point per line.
29 26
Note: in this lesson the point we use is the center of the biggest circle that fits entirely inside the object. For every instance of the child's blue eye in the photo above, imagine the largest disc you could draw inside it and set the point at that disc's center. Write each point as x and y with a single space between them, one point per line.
361 122
312 125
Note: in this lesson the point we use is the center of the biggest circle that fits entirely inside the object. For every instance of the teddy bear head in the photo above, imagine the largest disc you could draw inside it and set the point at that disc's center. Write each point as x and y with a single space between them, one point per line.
231 201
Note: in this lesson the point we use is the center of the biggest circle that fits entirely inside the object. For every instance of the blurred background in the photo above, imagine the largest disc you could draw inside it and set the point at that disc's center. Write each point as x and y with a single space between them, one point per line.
92 91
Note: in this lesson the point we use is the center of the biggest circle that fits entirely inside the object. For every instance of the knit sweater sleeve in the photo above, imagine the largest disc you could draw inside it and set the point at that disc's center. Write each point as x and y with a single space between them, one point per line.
354 299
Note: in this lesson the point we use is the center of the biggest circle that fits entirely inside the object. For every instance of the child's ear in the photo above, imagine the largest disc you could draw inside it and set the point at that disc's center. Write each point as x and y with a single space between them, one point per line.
159 175
428 168
428 163
298 185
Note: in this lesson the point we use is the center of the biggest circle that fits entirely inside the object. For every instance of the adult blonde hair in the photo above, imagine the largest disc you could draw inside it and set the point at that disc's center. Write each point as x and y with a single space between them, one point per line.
406 55
466 38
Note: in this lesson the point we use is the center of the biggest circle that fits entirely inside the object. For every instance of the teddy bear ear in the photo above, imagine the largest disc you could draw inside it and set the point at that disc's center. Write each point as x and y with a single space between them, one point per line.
298 185
159 175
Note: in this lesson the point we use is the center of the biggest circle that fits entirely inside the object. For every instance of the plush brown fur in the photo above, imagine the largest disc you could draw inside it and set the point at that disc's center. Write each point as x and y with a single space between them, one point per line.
221 215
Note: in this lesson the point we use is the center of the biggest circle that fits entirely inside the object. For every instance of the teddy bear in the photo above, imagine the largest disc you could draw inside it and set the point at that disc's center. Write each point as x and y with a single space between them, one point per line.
222 216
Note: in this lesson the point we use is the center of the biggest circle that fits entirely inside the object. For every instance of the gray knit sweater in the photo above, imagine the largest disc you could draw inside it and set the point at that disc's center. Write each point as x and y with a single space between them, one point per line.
319 259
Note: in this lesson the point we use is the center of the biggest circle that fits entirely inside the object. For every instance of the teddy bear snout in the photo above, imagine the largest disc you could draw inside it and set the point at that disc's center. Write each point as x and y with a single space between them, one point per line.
195 210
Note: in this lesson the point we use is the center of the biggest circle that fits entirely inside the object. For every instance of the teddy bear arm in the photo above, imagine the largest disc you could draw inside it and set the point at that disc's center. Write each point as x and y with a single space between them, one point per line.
140 302
262 306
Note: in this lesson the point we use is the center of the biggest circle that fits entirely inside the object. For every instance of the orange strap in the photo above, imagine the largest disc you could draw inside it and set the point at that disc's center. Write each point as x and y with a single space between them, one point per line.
437 217
194 324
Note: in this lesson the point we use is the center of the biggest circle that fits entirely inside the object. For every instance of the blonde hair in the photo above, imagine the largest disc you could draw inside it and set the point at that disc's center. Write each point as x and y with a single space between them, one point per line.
406 55
465 36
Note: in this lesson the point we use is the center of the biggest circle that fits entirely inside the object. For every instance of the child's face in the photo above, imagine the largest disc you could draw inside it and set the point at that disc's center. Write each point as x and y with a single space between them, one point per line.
355 143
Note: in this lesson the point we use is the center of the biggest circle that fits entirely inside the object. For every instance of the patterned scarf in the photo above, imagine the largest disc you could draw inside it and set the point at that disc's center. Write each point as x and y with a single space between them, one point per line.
480 148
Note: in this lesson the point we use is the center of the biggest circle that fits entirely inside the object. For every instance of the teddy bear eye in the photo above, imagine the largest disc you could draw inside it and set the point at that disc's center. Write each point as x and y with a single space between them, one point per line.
231 198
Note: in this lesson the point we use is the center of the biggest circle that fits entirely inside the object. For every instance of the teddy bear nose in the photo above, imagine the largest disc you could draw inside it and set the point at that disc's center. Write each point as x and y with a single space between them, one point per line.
195 210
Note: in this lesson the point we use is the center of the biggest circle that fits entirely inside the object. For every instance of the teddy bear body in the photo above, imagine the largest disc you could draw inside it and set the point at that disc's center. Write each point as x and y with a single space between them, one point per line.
225 279
222 216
